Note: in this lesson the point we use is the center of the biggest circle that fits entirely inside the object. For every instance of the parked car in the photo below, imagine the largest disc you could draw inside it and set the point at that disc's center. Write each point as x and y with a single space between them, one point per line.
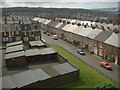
106 65
80 51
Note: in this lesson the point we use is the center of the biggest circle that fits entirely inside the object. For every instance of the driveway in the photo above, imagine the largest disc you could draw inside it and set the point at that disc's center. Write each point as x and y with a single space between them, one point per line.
89 59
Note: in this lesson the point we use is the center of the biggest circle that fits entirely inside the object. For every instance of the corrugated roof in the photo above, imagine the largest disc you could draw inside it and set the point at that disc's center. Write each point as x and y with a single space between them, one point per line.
50 71
45 51
94 33
102 36
40 74
24 78
14 55
114 40
14 43
14 48
32 52
36 43
7 82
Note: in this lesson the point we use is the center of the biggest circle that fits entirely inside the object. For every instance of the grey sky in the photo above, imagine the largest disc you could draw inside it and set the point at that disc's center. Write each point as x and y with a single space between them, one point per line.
60 3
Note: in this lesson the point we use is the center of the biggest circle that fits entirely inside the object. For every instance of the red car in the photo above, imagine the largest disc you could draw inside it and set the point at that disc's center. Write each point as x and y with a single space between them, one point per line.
106 65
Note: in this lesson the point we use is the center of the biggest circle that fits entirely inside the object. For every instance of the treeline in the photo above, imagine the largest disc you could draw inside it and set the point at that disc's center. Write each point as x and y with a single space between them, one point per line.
55 12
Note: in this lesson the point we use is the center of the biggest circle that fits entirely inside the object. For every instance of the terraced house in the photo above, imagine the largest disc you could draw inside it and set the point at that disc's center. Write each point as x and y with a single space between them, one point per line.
100 39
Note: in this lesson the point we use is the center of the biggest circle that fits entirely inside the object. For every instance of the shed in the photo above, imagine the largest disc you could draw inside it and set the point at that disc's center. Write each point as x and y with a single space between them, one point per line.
14 49
32 55
15 59
47 53
37 44
14 43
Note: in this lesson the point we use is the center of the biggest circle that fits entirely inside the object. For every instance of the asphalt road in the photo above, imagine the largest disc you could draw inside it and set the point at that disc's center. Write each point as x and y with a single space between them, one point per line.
90 59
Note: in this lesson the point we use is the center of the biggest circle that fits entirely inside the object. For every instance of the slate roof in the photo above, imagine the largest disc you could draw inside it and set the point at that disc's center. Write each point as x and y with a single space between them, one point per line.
94 33
114 40
58 25
102 36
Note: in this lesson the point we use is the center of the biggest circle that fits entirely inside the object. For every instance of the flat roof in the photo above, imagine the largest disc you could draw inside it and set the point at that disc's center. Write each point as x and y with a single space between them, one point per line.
14 55
68 67
40 74
114 40
7 82
45 51
14 48
32 52
36 43
64 68
50 71
23 78
14 43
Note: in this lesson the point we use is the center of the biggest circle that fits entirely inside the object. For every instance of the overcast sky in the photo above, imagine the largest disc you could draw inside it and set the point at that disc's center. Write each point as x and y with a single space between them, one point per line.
60 3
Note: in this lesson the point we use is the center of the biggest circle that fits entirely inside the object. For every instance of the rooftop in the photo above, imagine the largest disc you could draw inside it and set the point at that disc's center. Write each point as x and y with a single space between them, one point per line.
36 43
114 40
14 55
14 48
45 51
14 43
102 36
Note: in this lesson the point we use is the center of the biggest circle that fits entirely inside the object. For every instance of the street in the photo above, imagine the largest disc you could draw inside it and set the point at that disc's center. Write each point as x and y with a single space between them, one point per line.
90 59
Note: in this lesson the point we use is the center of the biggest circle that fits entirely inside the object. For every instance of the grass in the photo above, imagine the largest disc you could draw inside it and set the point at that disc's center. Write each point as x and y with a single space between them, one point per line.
89 78
2 47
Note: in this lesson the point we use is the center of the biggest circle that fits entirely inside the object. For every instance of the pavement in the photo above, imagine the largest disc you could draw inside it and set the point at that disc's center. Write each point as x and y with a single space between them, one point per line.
90 59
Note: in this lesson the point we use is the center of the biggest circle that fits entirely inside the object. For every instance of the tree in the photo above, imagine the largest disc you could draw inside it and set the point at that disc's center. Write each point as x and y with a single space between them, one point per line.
106 86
